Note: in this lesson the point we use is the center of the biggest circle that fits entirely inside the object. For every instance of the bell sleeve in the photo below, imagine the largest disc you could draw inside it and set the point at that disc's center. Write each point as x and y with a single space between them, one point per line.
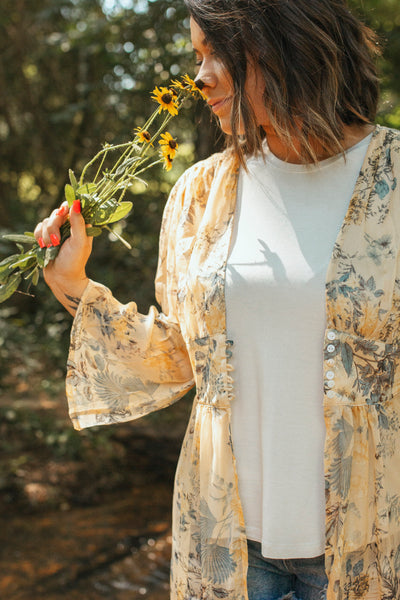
123 364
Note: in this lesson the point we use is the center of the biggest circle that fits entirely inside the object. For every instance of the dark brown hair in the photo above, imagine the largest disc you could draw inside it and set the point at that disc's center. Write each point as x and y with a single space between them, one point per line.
317 60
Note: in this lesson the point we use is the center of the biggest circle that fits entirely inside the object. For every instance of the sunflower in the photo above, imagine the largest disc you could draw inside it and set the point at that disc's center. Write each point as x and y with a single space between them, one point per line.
167 160
175 83
143 135
169 144
166 99
189 83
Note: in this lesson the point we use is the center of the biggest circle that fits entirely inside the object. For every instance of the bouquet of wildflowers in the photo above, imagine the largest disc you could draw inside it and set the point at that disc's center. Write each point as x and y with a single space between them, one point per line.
102 195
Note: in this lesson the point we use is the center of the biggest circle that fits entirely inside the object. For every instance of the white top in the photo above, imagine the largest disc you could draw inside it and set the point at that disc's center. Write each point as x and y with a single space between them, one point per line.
287 220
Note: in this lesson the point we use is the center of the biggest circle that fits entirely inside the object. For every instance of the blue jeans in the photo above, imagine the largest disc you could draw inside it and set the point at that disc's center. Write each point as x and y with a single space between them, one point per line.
289 579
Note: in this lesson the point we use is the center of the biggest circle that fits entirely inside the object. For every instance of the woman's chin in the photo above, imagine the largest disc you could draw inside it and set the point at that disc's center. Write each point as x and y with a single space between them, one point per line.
225 125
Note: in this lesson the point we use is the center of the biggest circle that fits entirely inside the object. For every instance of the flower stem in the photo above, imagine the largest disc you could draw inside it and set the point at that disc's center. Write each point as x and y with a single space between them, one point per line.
156 162
121 239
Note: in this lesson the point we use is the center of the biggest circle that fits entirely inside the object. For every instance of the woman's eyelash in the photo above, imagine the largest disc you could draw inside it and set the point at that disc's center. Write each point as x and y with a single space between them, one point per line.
200 60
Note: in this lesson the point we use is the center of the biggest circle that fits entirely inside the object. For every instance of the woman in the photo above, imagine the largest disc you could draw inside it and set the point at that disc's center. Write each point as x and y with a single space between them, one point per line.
307 185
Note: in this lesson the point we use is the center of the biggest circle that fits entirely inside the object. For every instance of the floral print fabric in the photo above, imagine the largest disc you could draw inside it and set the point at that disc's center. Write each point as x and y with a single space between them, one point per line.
362 408
123 365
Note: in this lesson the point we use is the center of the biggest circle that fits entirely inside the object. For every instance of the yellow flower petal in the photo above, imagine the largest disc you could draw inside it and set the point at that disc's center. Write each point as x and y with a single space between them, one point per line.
167 160
143 135
192 86
166 99
178 84
169 144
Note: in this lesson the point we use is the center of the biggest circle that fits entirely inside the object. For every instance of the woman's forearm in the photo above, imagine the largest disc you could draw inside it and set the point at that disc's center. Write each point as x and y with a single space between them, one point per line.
68 293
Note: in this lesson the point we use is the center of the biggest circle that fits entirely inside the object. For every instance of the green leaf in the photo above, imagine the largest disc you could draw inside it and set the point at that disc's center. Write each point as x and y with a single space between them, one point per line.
102 214
4 276
9 288
73 180
35 276
4 264
19 238
26 261
100 217
40 256
93 231
122 210
69 194
50 254
124 185
17 261
87 188
127 164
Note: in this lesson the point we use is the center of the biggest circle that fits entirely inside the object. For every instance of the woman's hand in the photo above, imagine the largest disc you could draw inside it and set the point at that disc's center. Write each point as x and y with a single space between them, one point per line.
66 275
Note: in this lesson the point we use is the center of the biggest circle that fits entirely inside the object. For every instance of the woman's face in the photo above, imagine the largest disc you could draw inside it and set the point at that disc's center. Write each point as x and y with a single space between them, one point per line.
218 84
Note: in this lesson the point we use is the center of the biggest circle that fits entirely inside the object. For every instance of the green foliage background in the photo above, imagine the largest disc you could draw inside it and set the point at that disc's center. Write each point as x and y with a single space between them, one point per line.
77 73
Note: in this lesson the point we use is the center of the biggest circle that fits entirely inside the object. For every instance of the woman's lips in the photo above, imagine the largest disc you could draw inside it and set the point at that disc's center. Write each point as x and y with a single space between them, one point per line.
216 105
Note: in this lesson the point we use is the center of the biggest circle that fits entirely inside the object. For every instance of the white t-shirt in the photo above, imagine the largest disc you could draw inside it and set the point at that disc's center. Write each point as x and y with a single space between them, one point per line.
287 219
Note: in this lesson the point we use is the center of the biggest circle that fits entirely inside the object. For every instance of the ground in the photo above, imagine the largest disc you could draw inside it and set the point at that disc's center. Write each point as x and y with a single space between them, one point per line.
84 515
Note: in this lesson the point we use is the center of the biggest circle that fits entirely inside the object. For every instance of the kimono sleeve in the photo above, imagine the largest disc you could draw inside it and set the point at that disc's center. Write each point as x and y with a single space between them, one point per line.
123 364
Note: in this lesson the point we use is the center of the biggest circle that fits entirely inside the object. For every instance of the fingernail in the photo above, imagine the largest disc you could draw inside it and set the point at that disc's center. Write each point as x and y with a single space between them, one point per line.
41 242
54 239
76 206
61 211
49 245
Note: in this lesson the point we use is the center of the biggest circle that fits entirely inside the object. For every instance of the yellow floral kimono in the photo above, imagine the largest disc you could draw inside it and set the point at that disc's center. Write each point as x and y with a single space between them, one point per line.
123 365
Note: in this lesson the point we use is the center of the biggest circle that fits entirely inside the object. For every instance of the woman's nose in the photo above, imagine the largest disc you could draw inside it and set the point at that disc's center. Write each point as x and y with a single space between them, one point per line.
199 83
206 77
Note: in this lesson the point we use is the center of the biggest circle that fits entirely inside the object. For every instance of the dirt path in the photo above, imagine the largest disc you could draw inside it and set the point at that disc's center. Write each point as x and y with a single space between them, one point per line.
91 526
118 550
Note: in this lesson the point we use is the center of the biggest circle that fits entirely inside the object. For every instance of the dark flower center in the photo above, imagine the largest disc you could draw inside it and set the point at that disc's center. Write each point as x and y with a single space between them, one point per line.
167 98
172 144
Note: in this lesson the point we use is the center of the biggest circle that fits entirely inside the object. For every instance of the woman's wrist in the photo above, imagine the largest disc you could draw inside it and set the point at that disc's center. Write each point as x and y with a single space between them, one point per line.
69 292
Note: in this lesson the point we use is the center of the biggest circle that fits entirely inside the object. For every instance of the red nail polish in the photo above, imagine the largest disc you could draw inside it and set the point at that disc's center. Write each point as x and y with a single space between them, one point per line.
49 245
76 206
54 239
61 211
41 242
